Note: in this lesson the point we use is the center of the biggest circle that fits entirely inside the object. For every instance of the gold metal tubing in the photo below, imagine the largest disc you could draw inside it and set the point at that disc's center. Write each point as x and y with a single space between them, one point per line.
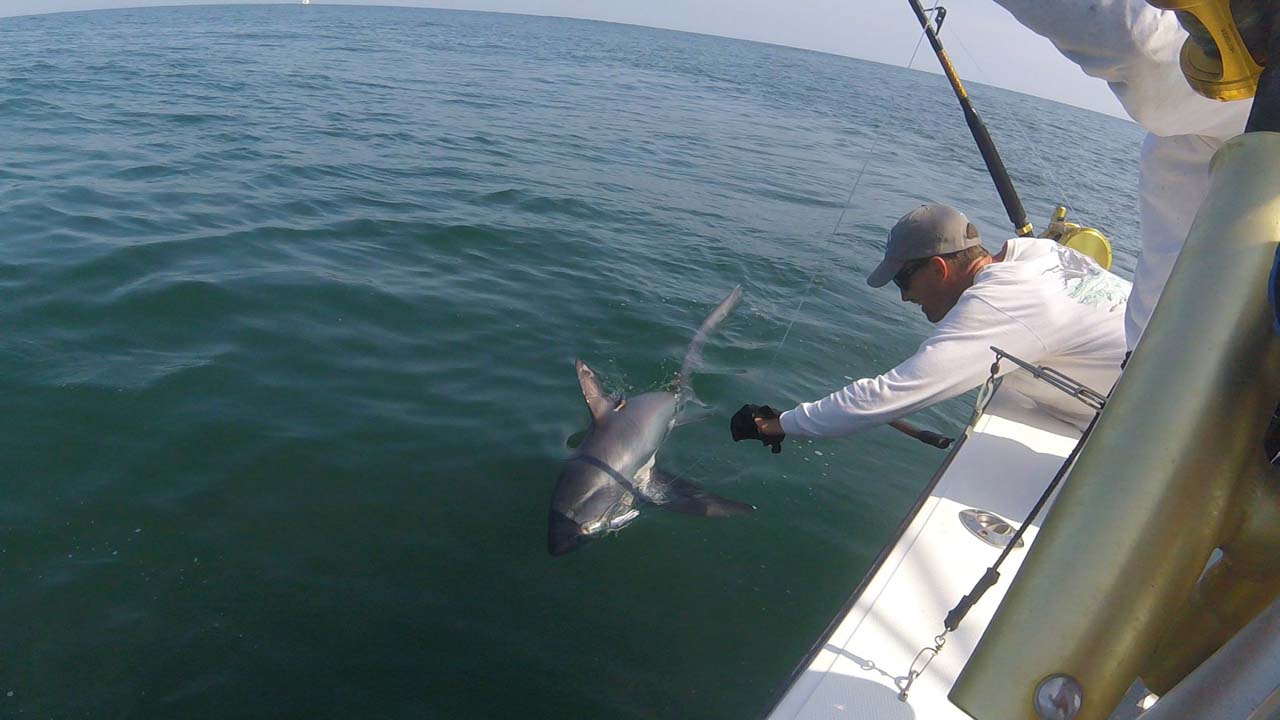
1165 476
1224 601
1231 593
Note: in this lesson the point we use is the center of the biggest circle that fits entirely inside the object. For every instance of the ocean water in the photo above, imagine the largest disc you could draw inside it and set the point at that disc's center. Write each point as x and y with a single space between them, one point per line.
291 297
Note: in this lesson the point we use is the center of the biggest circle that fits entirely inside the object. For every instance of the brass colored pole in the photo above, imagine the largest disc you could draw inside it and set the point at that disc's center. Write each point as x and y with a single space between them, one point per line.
1170 472
1239 681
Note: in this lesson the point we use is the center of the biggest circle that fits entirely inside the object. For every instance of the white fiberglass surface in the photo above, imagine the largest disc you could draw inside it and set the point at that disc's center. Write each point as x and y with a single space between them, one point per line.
1003 468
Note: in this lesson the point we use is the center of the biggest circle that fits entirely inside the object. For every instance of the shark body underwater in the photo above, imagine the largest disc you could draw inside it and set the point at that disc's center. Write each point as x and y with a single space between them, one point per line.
602 485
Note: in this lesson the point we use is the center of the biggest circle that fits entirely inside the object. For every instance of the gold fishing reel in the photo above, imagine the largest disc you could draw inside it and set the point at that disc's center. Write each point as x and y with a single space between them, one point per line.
1217 59
1084 240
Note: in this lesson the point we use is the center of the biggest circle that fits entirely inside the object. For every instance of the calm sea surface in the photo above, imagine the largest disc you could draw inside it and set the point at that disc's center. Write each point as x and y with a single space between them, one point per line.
290 301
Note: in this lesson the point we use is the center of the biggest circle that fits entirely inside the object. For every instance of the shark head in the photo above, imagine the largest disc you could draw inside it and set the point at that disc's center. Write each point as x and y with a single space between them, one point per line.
563 535
589 503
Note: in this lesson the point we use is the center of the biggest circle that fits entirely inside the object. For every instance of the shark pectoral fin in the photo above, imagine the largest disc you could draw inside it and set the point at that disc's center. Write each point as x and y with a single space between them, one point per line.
598 402
684 496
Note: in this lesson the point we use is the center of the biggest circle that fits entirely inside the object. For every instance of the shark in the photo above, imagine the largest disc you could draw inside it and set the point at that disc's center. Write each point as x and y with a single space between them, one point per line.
613 473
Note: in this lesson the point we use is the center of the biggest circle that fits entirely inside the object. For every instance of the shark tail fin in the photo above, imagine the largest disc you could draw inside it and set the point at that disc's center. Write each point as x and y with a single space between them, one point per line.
693 357
689 498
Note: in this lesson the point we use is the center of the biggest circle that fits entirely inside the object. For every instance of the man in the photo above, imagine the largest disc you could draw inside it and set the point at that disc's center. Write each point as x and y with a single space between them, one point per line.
1135 48
1038 300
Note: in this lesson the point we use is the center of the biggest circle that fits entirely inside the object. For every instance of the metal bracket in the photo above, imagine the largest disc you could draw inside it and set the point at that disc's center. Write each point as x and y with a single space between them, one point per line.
1085 394
941 14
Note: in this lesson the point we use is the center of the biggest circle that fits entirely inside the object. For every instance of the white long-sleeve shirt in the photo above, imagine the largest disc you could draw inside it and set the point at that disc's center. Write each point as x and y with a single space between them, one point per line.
1134 48
1044 303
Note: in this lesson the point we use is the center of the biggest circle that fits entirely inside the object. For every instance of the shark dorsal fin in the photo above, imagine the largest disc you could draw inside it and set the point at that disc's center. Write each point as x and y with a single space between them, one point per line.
599 403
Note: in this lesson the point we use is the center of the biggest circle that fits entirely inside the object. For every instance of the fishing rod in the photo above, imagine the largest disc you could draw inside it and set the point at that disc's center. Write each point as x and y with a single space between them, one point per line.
995 166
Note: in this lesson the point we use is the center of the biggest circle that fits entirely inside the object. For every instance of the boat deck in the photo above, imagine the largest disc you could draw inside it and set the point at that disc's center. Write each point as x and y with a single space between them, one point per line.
858 668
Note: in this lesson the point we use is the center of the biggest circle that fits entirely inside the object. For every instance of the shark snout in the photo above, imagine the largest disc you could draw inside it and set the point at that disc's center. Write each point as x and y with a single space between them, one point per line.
563 534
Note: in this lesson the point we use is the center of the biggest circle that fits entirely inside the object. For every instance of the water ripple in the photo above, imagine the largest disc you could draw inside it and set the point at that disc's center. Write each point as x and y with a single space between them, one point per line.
292 299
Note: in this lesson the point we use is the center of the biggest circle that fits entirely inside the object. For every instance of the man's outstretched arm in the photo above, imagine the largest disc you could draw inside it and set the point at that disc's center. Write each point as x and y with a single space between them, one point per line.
955 359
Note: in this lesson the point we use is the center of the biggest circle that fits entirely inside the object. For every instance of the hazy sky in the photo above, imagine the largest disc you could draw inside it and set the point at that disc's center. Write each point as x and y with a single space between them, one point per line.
984 41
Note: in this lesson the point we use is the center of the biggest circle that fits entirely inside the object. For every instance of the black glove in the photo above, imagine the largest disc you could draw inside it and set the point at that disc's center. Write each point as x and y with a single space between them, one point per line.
743 426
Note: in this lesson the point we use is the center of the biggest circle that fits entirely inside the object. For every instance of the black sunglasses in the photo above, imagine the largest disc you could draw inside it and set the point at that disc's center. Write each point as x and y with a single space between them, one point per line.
904 275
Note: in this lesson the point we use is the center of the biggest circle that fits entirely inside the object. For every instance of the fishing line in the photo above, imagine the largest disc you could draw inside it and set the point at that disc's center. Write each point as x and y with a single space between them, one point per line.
921 40
796 313
815 274
1026 137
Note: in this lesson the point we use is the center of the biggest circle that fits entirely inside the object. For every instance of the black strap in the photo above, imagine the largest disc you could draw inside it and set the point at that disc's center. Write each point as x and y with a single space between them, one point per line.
992 575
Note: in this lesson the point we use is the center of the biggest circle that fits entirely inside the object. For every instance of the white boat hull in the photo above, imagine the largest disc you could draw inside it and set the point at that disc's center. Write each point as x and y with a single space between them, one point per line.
857 669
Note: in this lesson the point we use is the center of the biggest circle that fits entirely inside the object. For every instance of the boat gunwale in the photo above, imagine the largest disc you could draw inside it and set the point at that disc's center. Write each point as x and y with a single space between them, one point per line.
889 544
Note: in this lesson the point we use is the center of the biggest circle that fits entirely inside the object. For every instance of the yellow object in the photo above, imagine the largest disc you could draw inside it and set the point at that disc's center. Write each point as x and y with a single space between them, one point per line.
1090 242
1175 467
1087 241
1233 75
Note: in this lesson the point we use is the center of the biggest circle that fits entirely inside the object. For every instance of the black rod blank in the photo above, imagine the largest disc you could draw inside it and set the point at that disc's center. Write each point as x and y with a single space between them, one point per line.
991 156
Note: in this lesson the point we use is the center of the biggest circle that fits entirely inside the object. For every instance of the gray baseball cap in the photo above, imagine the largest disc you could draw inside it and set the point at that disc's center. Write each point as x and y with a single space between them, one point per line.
924 232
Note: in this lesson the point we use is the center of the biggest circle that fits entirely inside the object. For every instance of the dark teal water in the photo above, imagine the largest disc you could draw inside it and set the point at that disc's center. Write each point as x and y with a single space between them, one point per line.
291 297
